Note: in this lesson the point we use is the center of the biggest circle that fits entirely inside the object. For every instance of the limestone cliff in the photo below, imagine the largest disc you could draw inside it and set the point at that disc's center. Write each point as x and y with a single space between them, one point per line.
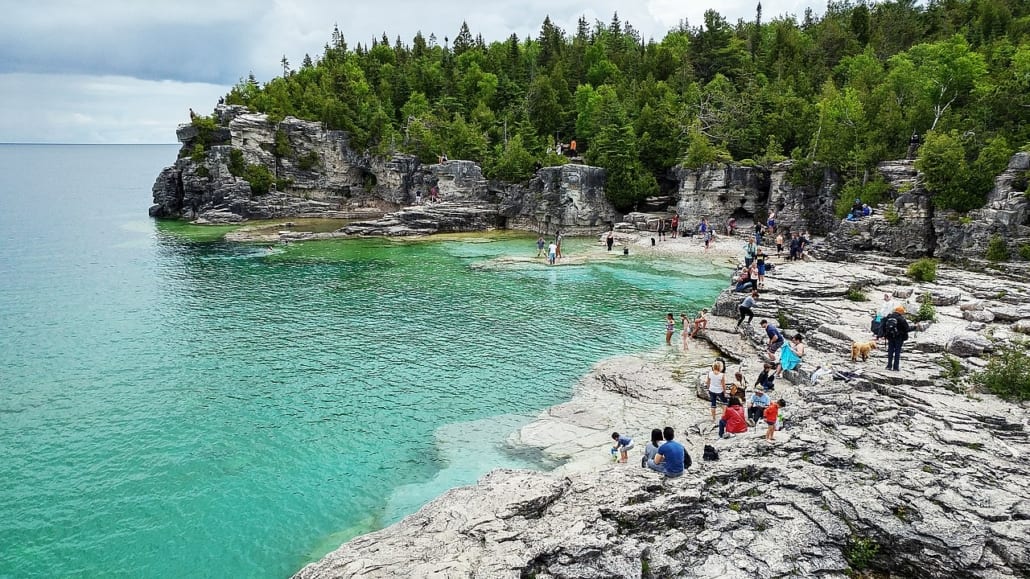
317 174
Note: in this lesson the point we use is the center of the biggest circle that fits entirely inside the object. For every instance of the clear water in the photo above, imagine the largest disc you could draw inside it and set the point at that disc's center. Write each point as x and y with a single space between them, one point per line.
172 405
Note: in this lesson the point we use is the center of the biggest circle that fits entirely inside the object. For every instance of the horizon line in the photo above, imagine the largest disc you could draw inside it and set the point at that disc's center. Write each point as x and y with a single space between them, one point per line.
86 144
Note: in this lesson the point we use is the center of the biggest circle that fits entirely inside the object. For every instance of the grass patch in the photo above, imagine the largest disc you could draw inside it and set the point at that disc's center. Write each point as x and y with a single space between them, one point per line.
1008 373
951 366
923 269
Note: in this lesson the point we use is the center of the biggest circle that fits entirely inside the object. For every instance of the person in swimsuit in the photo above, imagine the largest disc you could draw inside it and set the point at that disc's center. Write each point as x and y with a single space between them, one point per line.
670 327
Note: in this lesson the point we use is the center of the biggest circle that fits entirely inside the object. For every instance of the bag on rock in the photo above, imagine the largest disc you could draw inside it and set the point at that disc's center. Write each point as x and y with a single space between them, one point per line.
710 453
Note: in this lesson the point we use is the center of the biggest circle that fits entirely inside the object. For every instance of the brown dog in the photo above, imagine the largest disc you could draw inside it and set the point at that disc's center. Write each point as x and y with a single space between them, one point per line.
862 349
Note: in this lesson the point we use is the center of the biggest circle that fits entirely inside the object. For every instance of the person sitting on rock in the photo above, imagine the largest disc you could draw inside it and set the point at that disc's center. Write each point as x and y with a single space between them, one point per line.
791 354
700 322
766 377
737 388
756 405
651 450
672 459
732 421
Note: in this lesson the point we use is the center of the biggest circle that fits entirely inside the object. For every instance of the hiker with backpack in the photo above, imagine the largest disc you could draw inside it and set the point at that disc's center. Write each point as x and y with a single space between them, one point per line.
895 329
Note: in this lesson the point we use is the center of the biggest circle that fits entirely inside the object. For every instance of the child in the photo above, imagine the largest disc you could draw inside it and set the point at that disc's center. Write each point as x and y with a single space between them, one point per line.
700 322
779 244
760 260
670 327
686 329
622 445
772 412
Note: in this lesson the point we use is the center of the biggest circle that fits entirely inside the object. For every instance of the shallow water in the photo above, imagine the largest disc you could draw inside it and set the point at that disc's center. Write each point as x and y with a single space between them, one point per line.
174 405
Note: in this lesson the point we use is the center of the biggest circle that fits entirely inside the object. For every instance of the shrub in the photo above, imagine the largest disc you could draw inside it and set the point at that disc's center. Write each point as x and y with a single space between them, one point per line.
1008 373
206 127
237 164
860 553
997 250
309 161
781 319
204 172
891 215
927 312
282 147
871 193
856 295
197 154
923 269
951 367
1024 251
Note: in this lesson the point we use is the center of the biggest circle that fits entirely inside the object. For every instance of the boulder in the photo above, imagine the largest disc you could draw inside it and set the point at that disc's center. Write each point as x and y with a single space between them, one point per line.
966 345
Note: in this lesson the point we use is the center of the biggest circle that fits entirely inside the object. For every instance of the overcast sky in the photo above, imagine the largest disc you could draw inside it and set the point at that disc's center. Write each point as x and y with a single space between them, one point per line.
127 71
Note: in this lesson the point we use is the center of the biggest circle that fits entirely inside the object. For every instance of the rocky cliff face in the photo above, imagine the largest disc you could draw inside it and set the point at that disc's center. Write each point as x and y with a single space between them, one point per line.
878 473
909 225
318 175
753 193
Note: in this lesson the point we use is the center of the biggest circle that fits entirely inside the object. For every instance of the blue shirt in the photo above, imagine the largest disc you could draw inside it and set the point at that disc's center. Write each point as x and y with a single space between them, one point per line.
773 332
624 441
760 399
673 455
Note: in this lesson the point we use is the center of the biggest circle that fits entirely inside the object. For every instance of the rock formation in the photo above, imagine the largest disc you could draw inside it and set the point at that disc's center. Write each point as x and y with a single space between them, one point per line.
904 473
316 174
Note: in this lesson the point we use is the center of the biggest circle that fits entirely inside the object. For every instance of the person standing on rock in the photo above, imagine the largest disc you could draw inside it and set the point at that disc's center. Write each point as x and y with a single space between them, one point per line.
670 327
885 310
779 244
661 229
558 237
771 414
610 239
552 253
540 245
744 309
750 250
685 334
716 384
895 329
672 459
674 225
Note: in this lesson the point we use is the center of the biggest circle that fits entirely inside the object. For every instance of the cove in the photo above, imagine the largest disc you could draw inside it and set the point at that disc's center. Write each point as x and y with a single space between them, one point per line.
175 405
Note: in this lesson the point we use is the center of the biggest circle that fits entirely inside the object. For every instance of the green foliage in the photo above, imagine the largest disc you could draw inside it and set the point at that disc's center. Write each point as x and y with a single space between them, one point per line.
237 164
891 215
511 162
206 127
282 148
1008 373
309 160
860 552
856 294
958 172
870 193
198 154
924 269
1024 251
951 367
841 91
204 172
782 322
258 176
997 249
927 312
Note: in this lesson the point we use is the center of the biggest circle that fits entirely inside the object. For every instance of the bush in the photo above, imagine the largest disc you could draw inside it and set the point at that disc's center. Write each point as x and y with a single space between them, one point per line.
206 127
1024 251
997 250
927 312
861 552
891 215
309 161
282 148
197 154
237 164
923 269
871 193
951 366
856 295
1008 373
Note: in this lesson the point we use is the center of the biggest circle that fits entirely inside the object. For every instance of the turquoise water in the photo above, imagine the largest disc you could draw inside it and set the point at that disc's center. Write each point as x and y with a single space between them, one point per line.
177 406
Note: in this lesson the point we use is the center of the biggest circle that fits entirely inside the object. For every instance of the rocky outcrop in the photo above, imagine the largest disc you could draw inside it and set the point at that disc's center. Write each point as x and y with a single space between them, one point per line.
909 225
315 173
902 473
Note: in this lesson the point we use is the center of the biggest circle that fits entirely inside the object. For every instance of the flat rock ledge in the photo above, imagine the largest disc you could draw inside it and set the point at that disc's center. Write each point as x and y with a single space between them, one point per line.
905 474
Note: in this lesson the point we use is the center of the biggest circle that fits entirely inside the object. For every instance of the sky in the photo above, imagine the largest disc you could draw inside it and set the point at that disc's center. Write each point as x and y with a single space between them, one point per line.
128 71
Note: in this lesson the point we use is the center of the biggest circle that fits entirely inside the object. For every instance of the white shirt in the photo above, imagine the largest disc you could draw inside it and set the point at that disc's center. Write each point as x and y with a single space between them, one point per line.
716 382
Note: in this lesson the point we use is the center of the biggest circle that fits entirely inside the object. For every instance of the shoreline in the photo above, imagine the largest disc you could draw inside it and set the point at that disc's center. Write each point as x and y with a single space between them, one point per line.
892 441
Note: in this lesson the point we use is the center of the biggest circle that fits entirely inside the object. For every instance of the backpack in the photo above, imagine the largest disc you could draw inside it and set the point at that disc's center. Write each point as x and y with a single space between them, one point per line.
890 327
710 453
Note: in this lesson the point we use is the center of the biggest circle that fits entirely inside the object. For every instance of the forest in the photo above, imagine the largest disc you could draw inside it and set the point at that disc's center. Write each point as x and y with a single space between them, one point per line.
841 92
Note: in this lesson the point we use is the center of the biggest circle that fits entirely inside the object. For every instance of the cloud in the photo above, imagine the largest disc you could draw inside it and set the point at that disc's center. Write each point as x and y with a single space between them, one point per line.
39 108
127 70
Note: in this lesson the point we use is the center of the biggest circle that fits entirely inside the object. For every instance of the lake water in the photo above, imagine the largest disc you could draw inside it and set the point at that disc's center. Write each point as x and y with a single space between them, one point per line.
172 405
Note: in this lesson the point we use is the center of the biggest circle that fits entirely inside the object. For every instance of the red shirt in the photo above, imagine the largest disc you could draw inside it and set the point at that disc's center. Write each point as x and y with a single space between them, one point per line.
734 417
772 412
